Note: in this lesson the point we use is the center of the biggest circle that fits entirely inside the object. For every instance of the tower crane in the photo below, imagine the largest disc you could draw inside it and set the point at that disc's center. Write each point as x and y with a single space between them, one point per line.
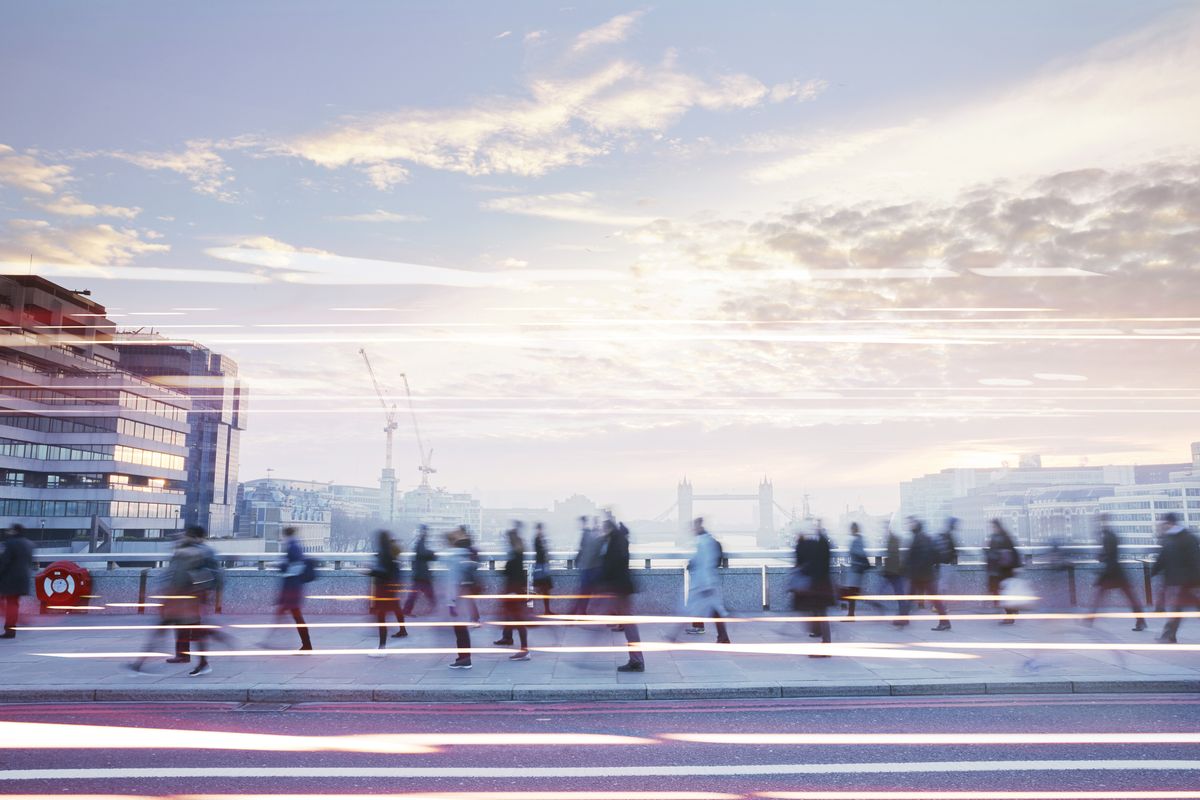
387 479
426 467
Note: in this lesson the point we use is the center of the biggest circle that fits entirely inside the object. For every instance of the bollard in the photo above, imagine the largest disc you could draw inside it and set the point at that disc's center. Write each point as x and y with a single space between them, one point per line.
766 597
1071 585
1147 579
647 563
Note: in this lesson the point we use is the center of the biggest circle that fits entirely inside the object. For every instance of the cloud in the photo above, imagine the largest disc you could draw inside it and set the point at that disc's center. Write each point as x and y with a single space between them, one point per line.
559 122
800 91
379 215
1124 102
614 31
503 35
128 273
564 206
198 162
68 205
514 263
27 172
534 36
289 264
78 243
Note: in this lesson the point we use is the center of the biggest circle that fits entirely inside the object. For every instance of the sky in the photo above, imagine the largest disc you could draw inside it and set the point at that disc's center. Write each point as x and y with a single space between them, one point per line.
839 244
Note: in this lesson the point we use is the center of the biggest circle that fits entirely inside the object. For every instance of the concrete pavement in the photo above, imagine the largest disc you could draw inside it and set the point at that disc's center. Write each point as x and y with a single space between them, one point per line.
78 659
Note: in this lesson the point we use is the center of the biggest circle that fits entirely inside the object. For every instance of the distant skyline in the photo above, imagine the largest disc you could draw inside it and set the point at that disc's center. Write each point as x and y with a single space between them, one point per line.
838 245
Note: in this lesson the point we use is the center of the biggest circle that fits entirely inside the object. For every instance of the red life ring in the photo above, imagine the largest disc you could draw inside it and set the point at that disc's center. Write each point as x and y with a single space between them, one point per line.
63 583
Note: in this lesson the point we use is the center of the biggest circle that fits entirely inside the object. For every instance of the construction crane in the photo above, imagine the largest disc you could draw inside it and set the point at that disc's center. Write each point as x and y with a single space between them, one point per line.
388 411
426 467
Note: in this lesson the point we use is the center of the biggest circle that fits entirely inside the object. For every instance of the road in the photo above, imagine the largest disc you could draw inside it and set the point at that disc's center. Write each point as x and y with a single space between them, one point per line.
810 749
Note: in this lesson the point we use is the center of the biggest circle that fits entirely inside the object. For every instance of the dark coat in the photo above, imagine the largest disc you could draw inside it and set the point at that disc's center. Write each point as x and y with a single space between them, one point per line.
291 594
614 566
16 566
1179 559
1112 576
541 563
923 558
385 575
514 573
422 555
1002 557
813 560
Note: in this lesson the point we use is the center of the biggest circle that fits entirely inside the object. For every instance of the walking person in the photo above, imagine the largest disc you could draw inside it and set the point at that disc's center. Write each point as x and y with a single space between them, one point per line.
893 573
1112 575
297 570
461 566
704 583
207 578
16 575
1179 563
617 581
181 603
385 588
422 577
542 582
1002 560
922 568
947 547
811 583
860 564
587 561
513 606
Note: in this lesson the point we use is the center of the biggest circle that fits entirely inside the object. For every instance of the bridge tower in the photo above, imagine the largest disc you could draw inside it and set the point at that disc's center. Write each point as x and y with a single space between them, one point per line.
683 536
765 536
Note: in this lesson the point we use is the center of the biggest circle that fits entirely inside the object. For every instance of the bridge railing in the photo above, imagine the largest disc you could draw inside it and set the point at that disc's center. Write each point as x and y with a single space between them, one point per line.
667 558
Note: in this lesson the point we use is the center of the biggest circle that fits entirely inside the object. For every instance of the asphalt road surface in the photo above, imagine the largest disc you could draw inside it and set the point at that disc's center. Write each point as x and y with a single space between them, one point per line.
1144 746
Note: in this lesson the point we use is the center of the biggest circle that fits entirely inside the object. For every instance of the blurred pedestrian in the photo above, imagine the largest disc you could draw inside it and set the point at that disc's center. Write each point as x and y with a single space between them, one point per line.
1179 563
207 579
461 586
704 582
1112 574
182 584
515 588
617 581
1002 560
922 569
947 547
587 562
298 570
893 573
860 564
16 575
385 588
543 584
422 577
811 582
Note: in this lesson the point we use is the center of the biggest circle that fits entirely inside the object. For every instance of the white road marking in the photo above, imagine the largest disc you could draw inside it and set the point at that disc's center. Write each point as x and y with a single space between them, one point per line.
733 770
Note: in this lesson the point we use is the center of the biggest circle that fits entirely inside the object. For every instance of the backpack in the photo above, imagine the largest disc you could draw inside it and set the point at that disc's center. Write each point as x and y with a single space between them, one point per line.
720 553
310 571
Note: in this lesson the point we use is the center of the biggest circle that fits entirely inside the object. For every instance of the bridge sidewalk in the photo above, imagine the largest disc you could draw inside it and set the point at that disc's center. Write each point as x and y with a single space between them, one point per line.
48 662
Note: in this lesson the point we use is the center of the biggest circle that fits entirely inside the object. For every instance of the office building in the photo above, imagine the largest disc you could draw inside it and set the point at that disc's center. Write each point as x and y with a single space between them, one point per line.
88 450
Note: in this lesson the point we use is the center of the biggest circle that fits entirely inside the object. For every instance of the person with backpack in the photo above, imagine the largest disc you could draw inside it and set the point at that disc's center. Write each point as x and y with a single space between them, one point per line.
16 575
385 588
860 564
922 568
617 581
298 570
422 576
1112 575
1179 563
811 582
1002 560
893 574
184 585
704 583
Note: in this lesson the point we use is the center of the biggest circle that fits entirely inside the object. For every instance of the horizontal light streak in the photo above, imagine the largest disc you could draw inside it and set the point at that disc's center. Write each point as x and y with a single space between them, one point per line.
44 628
946 597
929 794
133 605
349 651
60 736
75 608
128 654
929 738
1102 646
289 625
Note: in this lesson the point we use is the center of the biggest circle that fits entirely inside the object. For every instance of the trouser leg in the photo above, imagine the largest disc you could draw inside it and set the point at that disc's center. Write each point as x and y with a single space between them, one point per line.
12 605
302 629
462 640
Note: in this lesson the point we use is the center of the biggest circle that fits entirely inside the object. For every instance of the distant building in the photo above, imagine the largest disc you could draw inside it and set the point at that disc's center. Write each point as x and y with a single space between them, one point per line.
439 509
871 526
267 506
86 447
216 421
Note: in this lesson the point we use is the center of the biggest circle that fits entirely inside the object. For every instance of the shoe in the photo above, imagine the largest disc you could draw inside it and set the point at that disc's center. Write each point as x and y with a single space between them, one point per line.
900 624
814 635
400 634
180 660
461 663
1008 622
941 627
1141 625
618 628
201 669
503 641
306 646
724 641
8 635
1165 639
376 653
632 666
136 669
819 655
695 631
521 656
